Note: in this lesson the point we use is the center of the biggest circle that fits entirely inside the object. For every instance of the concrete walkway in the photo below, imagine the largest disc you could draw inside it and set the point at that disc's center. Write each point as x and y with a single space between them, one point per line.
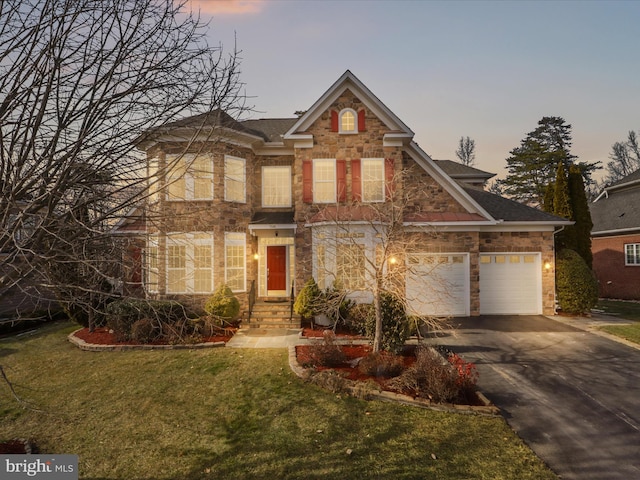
266 338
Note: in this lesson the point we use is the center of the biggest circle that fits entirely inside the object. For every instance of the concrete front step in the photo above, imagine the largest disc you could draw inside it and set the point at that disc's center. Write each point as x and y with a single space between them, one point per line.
271 315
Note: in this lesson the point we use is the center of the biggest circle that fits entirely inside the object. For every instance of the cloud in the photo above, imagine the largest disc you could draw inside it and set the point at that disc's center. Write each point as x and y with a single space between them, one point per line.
228 7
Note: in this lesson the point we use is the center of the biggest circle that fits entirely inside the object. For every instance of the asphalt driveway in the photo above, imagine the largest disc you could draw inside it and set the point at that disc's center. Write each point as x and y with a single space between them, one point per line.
571 395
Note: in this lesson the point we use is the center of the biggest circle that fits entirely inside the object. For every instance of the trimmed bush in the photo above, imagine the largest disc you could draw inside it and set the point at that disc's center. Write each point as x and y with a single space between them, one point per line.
307 303
359 316
223 304
576 285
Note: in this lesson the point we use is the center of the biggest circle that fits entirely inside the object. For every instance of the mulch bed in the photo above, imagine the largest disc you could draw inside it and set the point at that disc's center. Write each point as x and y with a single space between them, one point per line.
103 336
351 371
17 446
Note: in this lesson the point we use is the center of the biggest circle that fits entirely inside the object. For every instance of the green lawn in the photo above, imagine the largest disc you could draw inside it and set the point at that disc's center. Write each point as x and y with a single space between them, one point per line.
624 310
227 413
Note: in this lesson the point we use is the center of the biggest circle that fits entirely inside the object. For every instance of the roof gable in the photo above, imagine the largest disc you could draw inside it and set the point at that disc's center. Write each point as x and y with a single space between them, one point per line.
348 81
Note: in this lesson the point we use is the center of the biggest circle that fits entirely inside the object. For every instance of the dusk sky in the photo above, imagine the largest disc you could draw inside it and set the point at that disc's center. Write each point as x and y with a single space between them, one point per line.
487 70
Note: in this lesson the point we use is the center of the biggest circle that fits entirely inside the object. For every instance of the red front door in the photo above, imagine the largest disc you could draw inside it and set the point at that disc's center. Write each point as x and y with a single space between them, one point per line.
277 268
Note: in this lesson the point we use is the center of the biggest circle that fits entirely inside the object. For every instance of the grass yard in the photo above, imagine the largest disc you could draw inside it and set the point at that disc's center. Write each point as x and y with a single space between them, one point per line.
624 310
229 414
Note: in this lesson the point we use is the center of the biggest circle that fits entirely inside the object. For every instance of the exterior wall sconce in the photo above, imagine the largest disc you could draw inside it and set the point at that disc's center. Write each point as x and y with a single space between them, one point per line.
547 266
256 256
393 260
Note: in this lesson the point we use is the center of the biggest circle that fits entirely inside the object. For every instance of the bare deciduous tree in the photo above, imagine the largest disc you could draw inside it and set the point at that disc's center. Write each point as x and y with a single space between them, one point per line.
466 151
80 82
369 250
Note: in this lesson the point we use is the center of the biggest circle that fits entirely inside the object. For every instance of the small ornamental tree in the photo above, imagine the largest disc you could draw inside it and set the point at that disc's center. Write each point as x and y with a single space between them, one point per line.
576 285
223 304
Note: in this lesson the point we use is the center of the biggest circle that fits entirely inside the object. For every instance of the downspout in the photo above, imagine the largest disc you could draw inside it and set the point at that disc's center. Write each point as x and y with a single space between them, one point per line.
555 270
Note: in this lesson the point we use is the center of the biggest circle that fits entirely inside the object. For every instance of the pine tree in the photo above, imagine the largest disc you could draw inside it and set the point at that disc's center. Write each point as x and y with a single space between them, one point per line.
532 165
547 202
562 208
581 215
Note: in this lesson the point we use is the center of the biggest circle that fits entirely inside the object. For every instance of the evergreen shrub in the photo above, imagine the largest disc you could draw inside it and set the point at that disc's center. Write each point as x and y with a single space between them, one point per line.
223 304
577 287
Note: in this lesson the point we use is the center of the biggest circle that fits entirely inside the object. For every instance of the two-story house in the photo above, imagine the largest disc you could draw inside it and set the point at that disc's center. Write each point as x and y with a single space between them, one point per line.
268 203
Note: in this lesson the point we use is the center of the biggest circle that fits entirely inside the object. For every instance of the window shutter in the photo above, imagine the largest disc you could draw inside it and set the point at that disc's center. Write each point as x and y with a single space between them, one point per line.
389 173
356 180
341 179
361 124
334 121
307 181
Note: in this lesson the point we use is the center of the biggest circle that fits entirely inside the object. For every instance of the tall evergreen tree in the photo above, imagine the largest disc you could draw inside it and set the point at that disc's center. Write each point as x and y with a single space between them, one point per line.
581 215
532 165
562 208
547 202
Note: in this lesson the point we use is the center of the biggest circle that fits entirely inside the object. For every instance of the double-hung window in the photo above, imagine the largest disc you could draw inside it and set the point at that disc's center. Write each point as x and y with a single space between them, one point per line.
235 179
276 186
324 180
190 263
235 261
632 254
189 177
348 121
373 180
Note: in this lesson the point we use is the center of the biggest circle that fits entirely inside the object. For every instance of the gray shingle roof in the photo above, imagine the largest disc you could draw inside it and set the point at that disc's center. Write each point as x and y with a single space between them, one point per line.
271 128
457 169
632 177
617 211
502 208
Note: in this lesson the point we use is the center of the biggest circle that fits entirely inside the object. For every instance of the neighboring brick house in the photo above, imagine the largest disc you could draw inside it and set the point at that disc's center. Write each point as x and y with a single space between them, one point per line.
254 201
615 238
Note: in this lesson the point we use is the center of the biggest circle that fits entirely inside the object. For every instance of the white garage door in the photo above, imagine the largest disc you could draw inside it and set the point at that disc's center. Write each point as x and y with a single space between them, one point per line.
510 283
438 284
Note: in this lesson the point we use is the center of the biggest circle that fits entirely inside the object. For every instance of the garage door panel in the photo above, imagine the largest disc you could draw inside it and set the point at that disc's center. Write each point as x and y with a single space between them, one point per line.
510 284
438 285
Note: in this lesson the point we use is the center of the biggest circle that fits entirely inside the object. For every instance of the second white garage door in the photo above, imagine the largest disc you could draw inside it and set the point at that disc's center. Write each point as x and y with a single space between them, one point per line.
438 284
510 283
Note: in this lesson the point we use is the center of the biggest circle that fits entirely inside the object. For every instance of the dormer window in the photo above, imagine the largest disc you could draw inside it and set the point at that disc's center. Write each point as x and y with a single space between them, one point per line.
348 121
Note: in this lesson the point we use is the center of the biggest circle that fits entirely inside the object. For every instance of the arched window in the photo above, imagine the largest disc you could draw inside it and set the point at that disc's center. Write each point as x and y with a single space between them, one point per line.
347 121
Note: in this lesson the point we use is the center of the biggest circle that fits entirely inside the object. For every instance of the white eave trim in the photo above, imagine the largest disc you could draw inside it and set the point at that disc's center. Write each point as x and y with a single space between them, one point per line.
395 139
272 226
617 231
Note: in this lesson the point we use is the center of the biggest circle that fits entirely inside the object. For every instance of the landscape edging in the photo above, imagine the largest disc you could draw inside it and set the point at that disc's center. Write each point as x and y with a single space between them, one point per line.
93 347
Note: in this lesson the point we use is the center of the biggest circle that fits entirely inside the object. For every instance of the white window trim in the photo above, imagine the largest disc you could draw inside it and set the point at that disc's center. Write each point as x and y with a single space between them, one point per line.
236 239
244 179
315 180
188 240
276 167
189 177
636 247
382 183
355 121
152 242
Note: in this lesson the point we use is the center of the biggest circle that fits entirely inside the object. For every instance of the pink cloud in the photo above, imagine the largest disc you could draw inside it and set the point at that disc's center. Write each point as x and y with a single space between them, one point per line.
227 7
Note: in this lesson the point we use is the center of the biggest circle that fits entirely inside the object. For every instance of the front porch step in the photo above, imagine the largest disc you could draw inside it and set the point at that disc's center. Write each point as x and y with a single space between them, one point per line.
271 315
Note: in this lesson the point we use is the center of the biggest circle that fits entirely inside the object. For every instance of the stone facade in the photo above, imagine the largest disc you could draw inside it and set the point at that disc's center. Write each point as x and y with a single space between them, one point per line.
416 189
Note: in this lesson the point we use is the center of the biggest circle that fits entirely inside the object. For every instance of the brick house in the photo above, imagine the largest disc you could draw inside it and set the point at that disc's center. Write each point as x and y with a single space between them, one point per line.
615 238
265 204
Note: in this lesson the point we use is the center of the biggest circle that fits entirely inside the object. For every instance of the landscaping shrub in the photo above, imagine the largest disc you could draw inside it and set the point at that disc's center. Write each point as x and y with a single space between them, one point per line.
335 304
144 331
223 304
396 325
308 301
359 316
122 314
381 364
441 381
327 353
330 380
576 285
